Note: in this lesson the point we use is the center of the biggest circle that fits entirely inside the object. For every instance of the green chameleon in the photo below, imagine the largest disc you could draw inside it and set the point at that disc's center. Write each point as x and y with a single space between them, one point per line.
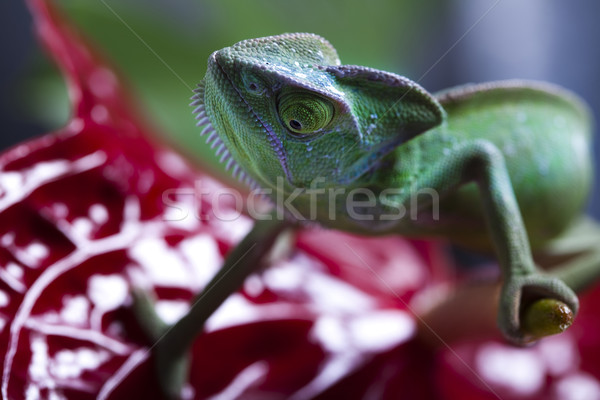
503 167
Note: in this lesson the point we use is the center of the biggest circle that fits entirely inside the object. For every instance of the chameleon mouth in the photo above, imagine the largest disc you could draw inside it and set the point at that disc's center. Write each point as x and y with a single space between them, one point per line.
274 141
215 141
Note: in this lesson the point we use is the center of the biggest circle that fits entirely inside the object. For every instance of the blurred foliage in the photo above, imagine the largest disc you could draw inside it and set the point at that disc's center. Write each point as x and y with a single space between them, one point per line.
161 47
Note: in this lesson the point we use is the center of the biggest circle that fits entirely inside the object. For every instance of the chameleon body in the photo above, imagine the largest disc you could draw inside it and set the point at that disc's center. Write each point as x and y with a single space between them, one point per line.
376 139
503 167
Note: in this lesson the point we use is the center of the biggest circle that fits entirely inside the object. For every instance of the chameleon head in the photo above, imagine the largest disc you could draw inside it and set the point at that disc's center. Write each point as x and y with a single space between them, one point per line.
283 106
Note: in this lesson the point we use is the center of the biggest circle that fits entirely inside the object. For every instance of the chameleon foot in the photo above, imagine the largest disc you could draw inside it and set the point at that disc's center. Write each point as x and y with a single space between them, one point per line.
535 306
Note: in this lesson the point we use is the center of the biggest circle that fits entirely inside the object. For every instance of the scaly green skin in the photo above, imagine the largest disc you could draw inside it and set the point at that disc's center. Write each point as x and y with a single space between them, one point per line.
509 163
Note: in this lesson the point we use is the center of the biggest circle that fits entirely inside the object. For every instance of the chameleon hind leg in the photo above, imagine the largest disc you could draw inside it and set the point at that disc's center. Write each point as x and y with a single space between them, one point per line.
574 257
171 344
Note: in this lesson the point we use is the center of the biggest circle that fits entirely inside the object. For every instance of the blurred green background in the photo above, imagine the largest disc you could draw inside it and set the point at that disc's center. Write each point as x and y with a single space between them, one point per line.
161 48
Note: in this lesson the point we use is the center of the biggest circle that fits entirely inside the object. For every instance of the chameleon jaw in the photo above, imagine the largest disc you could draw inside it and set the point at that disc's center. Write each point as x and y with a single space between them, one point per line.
215 141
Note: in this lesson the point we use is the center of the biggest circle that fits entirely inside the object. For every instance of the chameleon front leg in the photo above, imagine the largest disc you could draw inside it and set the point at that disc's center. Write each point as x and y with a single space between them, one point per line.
532 303
172 343
573 257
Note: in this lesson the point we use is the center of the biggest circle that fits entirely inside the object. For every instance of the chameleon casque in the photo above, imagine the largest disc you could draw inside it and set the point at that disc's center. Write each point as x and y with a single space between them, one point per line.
502 167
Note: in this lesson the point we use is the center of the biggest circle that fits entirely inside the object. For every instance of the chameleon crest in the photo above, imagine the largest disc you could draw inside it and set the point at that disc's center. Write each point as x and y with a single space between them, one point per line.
283 106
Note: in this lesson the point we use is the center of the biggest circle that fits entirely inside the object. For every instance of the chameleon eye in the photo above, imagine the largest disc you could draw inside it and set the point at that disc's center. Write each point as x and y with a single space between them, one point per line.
304 113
